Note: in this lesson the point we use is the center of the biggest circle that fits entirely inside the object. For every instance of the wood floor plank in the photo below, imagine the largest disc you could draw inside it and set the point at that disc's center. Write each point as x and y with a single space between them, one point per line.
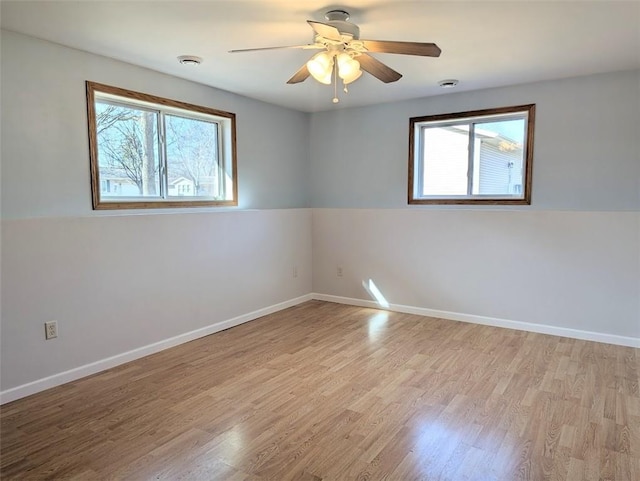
323 392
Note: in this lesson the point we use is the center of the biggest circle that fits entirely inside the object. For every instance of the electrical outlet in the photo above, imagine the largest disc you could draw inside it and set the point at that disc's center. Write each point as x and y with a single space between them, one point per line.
51 330
295 271
339 271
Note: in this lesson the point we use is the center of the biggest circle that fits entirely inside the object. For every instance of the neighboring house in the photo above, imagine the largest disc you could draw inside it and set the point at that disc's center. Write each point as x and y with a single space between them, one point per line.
112 185
497 163
500 166
181 187
117 185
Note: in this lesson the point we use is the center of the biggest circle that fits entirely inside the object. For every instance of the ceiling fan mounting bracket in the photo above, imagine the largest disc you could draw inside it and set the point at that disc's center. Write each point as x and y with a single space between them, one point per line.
337 15
339 19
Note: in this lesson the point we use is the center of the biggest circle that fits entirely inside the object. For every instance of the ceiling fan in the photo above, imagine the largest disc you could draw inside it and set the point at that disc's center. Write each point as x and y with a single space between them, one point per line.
344 55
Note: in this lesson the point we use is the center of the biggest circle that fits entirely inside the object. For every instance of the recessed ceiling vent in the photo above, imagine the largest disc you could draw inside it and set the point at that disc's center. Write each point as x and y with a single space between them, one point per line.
189 60
448 83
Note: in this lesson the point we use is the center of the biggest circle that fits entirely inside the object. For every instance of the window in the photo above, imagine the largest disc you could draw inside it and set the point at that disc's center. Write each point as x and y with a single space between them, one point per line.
483 156
149 152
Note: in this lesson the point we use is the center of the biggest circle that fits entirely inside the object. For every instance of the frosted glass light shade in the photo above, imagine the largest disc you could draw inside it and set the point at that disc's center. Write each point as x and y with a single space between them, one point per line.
320 67
352 78
348 68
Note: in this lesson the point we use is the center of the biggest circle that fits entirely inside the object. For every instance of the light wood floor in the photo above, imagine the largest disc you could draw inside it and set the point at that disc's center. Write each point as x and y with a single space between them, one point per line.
329 392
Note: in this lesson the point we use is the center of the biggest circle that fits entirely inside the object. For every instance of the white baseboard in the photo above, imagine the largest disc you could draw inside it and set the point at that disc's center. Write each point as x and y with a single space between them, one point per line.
103 364
489 321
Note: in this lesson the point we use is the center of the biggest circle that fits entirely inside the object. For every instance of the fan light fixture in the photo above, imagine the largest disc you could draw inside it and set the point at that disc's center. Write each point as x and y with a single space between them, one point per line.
322 64
325 67
348 68
321 67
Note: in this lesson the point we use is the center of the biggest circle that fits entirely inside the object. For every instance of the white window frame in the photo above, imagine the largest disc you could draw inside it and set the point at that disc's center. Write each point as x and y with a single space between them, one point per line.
226 131
417 126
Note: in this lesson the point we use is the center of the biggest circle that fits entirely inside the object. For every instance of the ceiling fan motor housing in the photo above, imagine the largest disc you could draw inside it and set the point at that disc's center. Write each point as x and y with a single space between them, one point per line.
339 19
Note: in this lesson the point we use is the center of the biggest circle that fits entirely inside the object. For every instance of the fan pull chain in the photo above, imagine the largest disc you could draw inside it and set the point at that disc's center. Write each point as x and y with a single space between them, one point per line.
335 83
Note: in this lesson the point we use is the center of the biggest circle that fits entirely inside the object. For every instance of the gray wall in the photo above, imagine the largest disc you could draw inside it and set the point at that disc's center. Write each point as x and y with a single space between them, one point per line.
45 163
117 281
586 153
570 260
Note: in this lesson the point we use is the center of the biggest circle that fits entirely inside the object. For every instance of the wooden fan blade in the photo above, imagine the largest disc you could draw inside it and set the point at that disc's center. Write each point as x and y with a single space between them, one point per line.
378 69
300 76
306 47
404 48
324 30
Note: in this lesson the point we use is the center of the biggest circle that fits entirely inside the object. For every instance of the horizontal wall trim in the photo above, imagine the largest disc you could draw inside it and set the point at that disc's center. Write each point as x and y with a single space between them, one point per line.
488 321
34 387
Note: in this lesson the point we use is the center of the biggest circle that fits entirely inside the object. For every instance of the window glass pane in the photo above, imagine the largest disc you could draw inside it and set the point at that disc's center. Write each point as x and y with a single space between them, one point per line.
128 157
498 157
446 160
192 158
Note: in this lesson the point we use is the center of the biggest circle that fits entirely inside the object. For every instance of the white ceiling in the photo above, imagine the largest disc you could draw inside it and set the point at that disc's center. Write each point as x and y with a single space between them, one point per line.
484 44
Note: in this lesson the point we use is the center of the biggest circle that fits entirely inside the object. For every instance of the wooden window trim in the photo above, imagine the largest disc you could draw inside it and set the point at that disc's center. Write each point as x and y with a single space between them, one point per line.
530 109
91 88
